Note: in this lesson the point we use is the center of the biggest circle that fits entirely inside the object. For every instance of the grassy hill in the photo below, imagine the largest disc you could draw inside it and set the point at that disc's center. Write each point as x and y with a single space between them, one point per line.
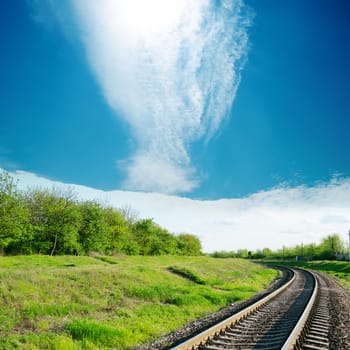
69 302
340 270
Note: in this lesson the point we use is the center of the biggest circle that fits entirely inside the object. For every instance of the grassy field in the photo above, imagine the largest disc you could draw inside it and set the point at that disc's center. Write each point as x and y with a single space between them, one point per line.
69 302
340 270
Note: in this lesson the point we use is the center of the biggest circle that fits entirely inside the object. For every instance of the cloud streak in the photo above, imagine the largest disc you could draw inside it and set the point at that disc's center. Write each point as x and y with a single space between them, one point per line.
282 216
171 69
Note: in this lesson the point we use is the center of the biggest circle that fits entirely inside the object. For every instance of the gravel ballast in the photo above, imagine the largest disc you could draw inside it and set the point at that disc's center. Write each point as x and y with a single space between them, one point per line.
340 315
339 335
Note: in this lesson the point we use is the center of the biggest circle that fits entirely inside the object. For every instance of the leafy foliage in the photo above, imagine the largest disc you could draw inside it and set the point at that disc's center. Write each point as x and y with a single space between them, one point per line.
55 223
328 249
188 244
14 220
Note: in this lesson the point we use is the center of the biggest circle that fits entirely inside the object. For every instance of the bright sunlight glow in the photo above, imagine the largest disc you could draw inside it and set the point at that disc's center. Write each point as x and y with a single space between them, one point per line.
151 16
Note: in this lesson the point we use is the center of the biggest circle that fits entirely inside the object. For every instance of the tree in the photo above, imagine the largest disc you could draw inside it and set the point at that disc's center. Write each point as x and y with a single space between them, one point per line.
153 239
143 233
330 246
188 244
119 235
242 253
310 251
129 214
93 230
56 219
267 252
14 217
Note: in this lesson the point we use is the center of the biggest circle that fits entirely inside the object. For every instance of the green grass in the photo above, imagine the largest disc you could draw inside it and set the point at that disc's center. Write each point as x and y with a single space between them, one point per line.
70 302
340 270
96 332
184 272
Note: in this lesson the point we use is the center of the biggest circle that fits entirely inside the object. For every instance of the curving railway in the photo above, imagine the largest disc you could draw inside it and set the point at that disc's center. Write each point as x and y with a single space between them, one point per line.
295 316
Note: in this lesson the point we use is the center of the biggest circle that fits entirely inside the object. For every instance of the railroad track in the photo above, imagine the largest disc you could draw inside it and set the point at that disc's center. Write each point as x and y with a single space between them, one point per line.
295 316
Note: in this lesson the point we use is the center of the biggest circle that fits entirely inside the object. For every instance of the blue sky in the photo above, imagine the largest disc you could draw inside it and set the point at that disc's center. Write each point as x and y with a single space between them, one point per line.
200 100
289 122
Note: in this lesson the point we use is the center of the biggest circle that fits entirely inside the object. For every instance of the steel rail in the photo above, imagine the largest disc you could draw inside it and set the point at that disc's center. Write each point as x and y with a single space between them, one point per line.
211 332
315 333
298 329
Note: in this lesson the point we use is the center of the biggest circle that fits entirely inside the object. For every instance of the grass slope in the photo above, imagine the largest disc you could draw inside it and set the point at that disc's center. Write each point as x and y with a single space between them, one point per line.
340 270
69 302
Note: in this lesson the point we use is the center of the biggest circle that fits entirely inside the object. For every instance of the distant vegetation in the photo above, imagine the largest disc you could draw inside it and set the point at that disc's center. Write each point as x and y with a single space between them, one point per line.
338 269
330 248
55 222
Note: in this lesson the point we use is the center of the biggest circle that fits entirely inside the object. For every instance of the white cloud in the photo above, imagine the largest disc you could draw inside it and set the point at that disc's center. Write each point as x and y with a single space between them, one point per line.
155 174
171 69
281 216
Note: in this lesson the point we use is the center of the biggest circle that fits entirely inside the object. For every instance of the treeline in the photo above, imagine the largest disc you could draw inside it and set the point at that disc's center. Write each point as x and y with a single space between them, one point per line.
55 222
330 248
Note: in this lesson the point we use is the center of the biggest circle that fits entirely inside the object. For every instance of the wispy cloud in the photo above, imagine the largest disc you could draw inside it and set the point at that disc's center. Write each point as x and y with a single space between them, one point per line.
281 216
171 69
